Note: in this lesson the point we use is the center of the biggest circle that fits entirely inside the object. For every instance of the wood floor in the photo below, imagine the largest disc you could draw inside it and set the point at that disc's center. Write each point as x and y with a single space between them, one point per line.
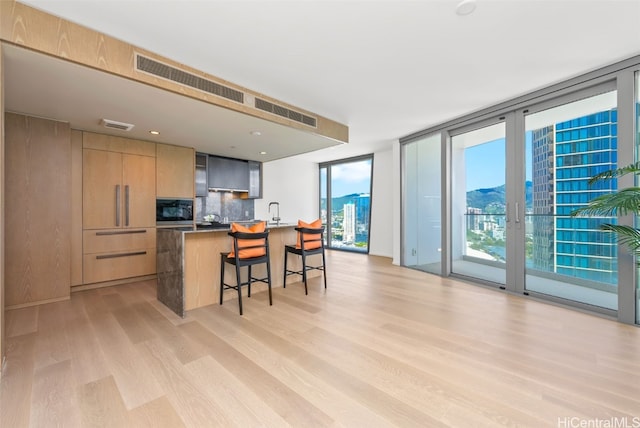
384 346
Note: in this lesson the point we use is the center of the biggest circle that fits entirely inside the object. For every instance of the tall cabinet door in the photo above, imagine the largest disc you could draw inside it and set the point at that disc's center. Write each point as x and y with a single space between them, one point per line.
37 198
139 190
102 189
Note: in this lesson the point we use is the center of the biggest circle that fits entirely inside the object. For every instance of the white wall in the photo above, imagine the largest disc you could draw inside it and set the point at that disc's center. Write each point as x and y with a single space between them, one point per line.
294 183
382 230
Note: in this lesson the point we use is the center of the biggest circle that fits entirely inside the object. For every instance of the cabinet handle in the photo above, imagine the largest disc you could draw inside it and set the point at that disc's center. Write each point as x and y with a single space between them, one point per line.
126 205
117 205
121 232
113 256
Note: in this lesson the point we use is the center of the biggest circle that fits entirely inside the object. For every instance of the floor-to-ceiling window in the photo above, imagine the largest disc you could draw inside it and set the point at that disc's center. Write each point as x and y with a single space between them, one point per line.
345 202
422 223
512 174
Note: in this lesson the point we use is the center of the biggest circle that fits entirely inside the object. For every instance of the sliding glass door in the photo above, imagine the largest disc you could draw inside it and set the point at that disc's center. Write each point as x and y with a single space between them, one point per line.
511 222
478 203
569 257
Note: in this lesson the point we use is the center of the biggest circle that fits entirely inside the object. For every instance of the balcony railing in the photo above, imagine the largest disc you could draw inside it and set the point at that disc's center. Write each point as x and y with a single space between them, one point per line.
560 247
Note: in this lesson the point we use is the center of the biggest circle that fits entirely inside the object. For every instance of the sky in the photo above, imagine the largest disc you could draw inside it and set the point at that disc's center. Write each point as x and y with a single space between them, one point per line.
352 177
486 164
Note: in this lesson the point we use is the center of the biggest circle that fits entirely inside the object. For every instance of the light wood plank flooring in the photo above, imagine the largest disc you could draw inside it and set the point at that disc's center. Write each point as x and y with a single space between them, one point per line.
383 346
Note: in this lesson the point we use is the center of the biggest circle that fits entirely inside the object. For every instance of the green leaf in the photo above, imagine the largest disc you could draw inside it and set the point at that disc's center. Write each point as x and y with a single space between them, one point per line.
627 236
633 168
623 202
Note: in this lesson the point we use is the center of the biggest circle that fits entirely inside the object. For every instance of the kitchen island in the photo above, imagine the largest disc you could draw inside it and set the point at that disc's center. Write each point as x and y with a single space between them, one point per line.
188 265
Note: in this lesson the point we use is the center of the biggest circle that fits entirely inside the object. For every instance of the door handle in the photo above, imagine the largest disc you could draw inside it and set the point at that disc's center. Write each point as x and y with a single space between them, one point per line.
117 205
120 232
113 256
517 212
126 205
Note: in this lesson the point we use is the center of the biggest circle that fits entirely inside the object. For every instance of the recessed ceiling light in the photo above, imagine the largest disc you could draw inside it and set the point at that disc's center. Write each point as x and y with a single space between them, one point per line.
256 133
466 7
154 132
263 153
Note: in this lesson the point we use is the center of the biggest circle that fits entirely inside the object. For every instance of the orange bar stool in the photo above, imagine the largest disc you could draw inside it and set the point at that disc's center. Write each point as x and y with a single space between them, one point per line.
310 242
250 248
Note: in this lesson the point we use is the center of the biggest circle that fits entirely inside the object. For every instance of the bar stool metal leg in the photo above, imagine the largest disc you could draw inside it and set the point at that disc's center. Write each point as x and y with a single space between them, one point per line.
324 269
239 283
304 274
269 283
284 281
222 265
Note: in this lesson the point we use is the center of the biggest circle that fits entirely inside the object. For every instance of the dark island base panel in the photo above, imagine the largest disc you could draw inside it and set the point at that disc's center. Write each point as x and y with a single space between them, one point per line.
170 274
170 296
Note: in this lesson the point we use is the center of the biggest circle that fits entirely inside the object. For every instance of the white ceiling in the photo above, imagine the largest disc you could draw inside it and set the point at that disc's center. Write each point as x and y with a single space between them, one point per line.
386 69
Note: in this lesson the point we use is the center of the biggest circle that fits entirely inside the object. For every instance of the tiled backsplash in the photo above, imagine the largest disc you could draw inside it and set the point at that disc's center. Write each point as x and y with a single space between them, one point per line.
225 205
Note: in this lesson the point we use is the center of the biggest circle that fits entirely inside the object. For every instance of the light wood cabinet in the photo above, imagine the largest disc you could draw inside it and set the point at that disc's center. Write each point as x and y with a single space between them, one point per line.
38 210
118 190
119 194
175 171
101 189
118 253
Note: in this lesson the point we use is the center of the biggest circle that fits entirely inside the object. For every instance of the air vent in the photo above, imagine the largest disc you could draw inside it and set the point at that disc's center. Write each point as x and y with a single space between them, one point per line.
165 71
112 124
285 112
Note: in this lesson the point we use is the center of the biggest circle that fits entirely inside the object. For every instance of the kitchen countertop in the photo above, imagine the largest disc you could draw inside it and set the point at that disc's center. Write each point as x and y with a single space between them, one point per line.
227 229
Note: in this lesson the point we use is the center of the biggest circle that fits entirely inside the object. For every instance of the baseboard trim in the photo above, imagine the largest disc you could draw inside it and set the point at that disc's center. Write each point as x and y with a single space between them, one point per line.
111 283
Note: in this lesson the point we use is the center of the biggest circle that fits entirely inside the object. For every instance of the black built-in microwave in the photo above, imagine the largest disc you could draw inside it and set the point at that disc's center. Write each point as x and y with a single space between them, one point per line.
174 211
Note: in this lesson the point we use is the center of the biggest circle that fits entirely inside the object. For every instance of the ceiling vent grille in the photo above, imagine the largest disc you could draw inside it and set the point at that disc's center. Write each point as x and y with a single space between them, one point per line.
112 124
285 112
165 71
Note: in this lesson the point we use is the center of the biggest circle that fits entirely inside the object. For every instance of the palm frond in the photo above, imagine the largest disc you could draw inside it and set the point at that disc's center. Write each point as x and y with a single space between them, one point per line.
623 202
627 235
633 168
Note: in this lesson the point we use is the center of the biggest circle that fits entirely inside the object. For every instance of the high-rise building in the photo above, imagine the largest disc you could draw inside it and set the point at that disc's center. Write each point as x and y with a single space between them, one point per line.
543 196
565 156
473 218
349 222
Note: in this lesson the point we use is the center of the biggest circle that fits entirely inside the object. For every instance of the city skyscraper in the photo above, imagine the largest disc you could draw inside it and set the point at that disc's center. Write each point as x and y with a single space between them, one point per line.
543 196
565 156
349 222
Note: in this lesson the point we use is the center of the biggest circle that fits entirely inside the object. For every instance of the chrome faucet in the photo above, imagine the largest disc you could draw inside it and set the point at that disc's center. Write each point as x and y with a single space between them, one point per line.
275 218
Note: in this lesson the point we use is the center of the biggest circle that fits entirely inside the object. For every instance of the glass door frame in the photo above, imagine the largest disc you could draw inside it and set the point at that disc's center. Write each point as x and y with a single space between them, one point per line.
449 171
628 307
549 104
